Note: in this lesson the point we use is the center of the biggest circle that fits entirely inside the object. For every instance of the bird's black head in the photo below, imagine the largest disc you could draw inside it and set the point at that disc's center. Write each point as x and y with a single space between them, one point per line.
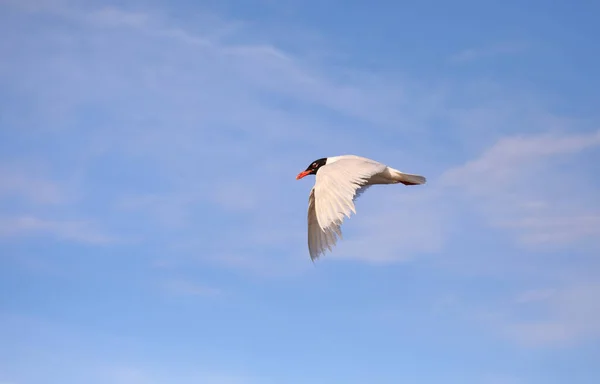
312 168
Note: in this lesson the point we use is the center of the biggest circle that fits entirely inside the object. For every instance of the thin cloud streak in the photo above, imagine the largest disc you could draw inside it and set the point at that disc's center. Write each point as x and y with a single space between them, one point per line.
562 316
473 54
20 184
76 231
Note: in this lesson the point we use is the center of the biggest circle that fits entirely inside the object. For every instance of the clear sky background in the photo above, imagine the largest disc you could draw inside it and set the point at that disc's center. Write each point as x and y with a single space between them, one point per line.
152 230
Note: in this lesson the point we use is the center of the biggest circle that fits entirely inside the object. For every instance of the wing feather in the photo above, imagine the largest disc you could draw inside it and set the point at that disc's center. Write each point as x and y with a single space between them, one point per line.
337 186
318 239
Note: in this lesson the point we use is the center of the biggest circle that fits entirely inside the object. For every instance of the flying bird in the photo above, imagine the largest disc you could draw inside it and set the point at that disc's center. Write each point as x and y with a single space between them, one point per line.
339 181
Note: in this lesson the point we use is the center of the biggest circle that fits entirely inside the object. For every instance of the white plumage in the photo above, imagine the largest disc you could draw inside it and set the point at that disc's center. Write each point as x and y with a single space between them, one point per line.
339 181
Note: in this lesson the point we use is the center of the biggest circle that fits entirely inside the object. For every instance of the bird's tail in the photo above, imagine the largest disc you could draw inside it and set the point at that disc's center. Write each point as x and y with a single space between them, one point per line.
407 178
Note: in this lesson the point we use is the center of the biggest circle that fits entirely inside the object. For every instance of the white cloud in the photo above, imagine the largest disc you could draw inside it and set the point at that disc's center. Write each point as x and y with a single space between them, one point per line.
507 160
558 317
563 316
531 186
78 231
21 184
260 66
549 229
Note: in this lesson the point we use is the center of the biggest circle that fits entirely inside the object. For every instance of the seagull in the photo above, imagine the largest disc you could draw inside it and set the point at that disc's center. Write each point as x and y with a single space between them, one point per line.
339 181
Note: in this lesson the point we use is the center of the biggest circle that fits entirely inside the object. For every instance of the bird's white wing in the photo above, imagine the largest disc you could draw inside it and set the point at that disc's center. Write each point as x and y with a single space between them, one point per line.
336 188
319 240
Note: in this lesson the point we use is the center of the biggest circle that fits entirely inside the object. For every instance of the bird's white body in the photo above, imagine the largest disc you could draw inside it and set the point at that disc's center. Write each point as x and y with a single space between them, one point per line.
337 185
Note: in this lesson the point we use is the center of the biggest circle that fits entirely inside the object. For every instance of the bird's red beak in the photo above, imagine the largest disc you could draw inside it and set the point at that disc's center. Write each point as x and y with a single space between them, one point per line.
302 174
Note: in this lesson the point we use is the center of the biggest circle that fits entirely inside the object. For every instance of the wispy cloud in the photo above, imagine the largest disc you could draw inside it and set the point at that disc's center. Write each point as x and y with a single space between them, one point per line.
535 295
553 317
505 161
527 184
560 315
77 231
550 229
27 186
472 54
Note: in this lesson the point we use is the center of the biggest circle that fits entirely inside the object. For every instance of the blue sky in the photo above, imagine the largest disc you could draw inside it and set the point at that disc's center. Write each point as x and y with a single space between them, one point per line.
152 230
